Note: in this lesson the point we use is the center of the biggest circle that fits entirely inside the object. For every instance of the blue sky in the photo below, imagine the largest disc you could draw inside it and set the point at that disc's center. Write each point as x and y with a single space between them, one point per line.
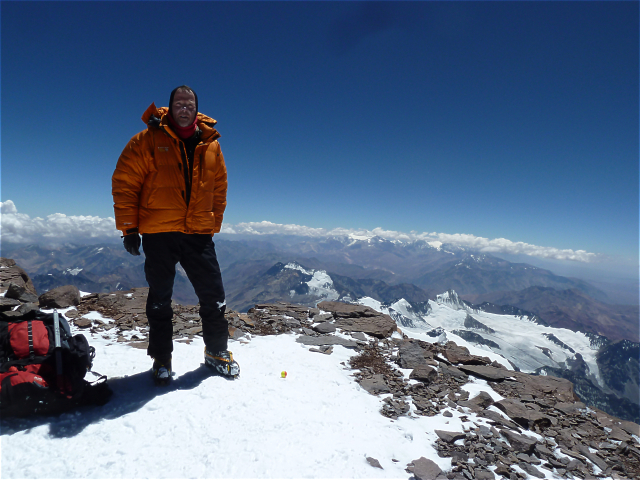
515 120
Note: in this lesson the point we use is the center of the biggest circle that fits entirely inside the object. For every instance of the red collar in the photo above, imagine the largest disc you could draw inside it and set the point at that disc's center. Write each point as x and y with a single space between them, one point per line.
183 132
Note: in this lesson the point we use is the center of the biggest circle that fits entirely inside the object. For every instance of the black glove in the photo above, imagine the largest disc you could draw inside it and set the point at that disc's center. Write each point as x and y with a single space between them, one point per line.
132 241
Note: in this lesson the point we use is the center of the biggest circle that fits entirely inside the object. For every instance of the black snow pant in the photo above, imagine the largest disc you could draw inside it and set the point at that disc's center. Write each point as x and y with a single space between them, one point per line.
197 255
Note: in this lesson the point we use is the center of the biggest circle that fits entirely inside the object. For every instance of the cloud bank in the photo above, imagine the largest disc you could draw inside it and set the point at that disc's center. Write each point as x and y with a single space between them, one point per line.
55 228
60 228
496 245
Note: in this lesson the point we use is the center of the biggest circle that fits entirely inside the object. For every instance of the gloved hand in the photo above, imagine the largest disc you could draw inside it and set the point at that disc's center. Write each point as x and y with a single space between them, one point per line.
132 241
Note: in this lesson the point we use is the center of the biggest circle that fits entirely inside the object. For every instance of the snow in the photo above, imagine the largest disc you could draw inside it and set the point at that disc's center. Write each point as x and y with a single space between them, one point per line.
315 423
451 299
400 311
522 341
477 385
296 266
93 315
320 284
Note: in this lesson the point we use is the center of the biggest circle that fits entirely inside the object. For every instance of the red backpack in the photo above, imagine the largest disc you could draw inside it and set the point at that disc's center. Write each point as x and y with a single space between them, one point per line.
43 366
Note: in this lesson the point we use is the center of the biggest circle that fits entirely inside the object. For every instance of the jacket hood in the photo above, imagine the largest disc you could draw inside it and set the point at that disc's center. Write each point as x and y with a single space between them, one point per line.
154 115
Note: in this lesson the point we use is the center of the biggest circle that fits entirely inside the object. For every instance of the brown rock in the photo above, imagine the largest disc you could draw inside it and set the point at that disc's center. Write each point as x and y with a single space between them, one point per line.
325 327
527 458
569 408
618 434
424 469
374 463
538 385
543 451
359 336
25 310
503 470
20 293
479 402
326 340
380 326
457 356
357 318
245 318
82 322
499 419
375 384
487 372
424 373
519 413
520 443
61 297
593 457
234 333
461 457
11 273
450 437
411 355
198 330
531 470
322 317
630 427
345 308
7 304
482 474
452 371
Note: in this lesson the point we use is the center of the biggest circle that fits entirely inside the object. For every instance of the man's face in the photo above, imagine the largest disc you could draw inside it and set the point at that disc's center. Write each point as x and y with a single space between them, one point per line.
183 108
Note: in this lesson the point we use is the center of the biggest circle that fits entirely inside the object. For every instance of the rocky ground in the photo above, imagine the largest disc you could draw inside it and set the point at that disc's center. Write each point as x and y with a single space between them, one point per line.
545 429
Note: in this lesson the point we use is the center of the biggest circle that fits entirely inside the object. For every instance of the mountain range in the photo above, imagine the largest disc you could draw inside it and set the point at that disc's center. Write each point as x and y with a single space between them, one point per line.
254 270
570 308
410 282
604 372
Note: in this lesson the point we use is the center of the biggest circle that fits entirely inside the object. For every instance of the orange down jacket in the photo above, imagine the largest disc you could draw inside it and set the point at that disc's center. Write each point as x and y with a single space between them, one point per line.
148 184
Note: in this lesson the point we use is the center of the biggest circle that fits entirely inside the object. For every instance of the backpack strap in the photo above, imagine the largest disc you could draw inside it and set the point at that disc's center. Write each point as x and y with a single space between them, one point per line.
32 352
22 362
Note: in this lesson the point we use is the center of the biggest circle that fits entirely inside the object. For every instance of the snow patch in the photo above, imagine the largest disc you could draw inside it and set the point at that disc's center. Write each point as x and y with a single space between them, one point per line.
320 284
72 271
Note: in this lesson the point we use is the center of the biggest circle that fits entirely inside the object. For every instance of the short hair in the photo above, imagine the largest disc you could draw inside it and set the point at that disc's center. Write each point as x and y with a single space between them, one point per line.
182 88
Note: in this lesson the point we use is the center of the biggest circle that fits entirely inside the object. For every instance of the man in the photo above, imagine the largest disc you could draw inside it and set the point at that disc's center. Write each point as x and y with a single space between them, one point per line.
170 186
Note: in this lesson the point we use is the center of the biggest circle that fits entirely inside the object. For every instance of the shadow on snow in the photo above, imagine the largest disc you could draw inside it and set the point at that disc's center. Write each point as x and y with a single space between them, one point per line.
130 393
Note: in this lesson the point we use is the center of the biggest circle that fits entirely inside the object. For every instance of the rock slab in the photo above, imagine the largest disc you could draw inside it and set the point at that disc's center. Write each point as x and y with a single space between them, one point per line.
61 297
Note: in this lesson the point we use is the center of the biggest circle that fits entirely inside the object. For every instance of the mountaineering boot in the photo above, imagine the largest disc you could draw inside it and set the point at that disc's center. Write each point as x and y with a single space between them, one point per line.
222 362
161 370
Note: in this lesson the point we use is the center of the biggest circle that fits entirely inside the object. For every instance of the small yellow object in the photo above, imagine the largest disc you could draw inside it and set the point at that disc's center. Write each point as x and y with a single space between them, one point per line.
283 374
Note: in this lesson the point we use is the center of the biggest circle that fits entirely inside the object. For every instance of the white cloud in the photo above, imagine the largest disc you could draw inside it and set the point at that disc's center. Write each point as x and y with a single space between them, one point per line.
496 245
55 228
58 228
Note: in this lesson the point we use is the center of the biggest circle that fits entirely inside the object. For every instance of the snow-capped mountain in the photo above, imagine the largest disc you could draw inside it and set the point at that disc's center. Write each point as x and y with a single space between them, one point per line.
605 374
520 337
318 285
430 266
570 308
298 283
